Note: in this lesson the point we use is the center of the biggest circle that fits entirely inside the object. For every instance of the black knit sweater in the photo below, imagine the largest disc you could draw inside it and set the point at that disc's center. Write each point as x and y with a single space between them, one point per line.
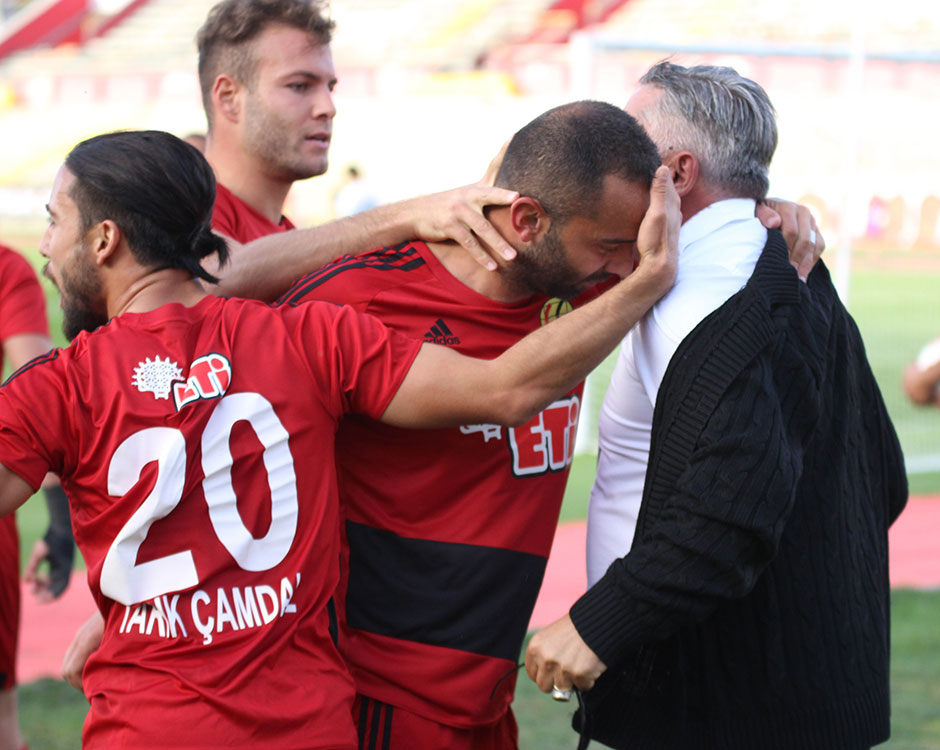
752 610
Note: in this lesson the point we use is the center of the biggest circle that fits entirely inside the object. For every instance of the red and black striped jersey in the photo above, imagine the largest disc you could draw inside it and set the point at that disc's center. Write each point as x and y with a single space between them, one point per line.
447 531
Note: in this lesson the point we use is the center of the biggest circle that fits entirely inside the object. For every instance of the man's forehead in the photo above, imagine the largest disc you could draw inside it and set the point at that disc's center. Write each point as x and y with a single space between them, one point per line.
61 185
279 44
642 100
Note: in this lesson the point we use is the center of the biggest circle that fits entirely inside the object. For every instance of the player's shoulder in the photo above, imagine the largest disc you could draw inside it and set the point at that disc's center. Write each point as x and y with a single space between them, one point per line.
353 279
14 264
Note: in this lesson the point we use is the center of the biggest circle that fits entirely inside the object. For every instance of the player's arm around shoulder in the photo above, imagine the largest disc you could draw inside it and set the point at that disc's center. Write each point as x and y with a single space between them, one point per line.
445 388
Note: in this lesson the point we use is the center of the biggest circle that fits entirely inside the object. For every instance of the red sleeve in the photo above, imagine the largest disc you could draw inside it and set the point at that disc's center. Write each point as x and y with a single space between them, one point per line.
22 302
33 419
367 360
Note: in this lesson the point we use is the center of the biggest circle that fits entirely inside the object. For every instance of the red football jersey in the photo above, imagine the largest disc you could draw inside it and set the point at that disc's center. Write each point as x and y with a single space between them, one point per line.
197 447
234 218
22 310
22 302
448 531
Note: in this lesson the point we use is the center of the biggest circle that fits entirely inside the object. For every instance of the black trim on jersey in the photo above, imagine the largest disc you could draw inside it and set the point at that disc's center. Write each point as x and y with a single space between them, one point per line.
403 257
468 597
334 625
50 356
372 727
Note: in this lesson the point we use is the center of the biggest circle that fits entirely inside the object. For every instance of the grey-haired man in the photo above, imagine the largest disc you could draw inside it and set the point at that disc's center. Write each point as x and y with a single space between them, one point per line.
746 600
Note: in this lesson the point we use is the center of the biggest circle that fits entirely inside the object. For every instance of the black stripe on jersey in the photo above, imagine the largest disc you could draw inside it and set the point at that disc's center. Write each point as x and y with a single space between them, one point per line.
373 726
387 729
363 721
49 356
403 257
468 597
334 625
374 731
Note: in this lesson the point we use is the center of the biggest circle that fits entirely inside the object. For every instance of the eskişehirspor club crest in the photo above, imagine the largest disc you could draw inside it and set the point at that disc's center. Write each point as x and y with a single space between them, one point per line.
156 376
553 309
209 377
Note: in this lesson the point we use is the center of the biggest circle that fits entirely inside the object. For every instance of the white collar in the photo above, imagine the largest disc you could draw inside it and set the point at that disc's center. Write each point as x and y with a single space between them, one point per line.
713 217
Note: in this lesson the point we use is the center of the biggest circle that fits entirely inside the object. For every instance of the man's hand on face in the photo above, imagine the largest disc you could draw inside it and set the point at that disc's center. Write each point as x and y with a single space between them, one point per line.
657 243
557 658
804 240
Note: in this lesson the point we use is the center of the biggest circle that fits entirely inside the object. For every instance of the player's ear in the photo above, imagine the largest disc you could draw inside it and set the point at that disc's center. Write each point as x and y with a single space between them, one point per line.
529 220
225 99
104 239
685 171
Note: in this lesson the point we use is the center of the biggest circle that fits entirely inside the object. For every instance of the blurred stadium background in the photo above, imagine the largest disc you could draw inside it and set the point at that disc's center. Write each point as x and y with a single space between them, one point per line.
429 90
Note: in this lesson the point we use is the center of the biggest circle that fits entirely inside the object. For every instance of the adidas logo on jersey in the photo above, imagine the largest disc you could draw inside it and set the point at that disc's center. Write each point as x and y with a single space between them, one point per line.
441 334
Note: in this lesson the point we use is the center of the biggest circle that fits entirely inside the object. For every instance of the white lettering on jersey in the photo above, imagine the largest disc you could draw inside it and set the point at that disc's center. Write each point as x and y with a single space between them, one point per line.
232 609
546 442
250 553
488 430
125 580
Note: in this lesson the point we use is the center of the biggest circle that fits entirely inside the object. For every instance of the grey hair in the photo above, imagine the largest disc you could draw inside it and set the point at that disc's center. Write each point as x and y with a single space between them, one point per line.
726 120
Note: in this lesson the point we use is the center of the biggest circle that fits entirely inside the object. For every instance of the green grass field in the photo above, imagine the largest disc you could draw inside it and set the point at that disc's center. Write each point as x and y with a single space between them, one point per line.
897 312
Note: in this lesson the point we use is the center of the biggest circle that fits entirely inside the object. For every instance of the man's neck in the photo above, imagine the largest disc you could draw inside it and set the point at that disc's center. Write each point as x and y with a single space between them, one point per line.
154 289
243 177
461 265
701 197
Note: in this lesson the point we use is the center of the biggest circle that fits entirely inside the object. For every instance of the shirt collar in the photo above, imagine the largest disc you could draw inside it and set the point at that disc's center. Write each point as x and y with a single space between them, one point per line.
713 217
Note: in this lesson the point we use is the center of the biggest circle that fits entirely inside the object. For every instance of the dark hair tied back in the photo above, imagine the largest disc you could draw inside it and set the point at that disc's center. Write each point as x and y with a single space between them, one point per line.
157 189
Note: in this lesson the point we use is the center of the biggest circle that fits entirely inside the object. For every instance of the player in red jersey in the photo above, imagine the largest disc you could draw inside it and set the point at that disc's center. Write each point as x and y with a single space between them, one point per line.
267 76
448 531
24 334
193 434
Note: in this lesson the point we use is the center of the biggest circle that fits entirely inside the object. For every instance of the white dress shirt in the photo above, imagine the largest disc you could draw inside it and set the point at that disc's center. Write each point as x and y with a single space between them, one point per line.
718 249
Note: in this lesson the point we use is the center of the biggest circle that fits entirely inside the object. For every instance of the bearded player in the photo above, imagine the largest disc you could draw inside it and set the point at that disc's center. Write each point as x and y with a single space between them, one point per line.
194 436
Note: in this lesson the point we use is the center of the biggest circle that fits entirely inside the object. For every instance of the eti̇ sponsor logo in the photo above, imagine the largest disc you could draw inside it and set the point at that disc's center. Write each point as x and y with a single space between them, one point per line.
487 430
441 334
544 444
209 377
553 309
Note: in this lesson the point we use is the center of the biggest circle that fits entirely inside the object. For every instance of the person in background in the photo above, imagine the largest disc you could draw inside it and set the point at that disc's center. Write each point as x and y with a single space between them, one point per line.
267 79
922 376
355 194
24 335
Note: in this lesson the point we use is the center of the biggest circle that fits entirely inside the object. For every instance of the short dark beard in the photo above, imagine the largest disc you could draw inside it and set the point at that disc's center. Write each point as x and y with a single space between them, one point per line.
543 268
83 308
